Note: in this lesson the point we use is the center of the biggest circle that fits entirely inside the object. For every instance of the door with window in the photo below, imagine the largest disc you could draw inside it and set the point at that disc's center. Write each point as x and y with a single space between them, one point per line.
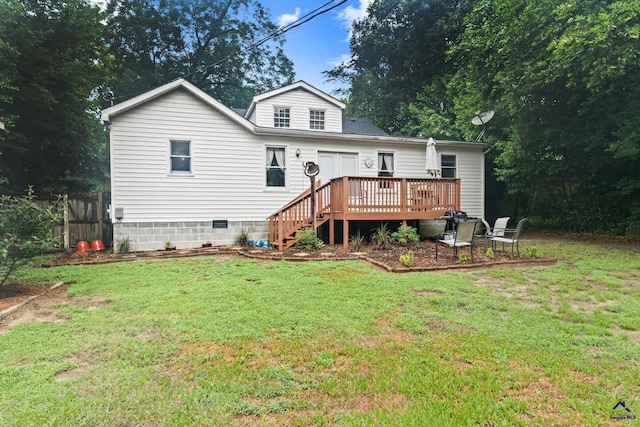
333 165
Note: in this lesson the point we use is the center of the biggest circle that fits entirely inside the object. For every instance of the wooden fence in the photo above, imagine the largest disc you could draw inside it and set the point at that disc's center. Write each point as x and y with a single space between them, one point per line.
85 217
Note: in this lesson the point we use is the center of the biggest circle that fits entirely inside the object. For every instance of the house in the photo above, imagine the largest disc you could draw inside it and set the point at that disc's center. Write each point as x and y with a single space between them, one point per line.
186 168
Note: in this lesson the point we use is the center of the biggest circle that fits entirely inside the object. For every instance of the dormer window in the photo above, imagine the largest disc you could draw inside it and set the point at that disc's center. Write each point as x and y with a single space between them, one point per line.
316 119
281 117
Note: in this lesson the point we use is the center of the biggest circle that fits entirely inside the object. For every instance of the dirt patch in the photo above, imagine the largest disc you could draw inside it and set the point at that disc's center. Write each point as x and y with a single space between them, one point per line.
82 361
222 253
38 307
14 293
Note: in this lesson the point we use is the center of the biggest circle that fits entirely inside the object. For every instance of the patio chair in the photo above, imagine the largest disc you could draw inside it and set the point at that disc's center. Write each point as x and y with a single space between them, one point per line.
484 232
464 236
511 237
498 229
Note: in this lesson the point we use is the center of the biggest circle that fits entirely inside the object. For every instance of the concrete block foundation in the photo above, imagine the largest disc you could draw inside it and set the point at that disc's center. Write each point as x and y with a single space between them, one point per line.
148 236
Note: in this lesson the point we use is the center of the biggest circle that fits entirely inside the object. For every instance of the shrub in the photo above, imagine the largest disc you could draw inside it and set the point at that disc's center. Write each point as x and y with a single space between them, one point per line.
532 251
124 245
490 253
242 239
356 241
407 259
26 230
307 239
405 234
381 237
463 257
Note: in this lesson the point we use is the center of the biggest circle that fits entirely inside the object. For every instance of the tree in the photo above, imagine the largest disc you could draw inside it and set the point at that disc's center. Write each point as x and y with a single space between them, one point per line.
564 80
26 230
54 52
398 50
227 48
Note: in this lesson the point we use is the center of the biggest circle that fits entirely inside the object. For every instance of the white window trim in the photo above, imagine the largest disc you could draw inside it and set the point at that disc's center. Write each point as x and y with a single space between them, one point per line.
393 171
171 172
273 116
455 168
324 118
286 169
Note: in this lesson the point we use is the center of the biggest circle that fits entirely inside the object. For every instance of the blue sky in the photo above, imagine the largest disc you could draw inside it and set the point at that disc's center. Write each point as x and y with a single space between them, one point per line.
320 44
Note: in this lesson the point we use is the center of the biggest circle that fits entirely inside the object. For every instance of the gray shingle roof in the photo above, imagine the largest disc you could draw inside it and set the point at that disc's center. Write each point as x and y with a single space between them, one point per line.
361 126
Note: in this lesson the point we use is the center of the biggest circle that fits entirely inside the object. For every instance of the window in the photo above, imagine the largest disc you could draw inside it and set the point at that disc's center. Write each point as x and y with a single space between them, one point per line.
316 119
448 165
385 164
275 167
180 156
281 117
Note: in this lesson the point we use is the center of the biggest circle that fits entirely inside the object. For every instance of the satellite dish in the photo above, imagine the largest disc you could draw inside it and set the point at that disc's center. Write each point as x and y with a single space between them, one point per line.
481 119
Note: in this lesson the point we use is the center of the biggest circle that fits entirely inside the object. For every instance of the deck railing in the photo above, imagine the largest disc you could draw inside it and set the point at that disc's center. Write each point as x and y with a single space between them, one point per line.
297 214
363 198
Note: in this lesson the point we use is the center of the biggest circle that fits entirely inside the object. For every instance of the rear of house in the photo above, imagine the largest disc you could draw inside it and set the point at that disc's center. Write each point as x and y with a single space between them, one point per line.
188 169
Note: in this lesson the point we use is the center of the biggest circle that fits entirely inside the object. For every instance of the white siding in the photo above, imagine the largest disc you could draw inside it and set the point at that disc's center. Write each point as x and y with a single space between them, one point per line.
228 164
300 102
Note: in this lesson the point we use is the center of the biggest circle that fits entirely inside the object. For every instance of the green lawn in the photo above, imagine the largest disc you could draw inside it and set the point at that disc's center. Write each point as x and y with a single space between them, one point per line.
199 342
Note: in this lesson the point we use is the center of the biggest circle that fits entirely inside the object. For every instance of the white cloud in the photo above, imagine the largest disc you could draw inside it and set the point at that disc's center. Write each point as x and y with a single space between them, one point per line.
342 59
350 13
287 18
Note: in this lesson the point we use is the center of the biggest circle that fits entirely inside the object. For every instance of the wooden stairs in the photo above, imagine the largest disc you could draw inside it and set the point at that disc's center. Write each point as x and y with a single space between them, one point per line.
297 215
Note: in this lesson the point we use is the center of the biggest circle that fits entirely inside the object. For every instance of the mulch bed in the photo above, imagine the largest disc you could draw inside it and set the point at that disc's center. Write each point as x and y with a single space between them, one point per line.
387 259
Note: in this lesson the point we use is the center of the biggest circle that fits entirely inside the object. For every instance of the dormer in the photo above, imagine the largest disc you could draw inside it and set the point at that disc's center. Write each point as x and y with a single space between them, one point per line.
297 106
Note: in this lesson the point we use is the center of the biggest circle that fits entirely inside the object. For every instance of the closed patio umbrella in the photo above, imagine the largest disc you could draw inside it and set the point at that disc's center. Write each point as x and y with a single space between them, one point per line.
433 161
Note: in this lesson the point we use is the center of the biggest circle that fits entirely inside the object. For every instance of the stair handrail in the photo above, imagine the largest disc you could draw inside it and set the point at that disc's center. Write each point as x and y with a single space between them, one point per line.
301 221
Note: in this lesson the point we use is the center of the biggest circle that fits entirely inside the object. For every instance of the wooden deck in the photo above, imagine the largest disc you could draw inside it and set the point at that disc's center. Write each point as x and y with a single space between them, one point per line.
351 198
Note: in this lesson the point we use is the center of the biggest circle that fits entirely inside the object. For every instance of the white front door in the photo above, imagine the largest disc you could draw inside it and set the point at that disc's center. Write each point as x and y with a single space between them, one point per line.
333 165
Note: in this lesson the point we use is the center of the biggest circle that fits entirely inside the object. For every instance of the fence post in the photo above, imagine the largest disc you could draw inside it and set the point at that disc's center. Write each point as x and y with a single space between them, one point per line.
65 227
100 219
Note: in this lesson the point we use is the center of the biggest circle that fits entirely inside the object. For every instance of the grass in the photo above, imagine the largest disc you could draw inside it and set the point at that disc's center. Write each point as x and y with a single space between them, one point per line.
199 342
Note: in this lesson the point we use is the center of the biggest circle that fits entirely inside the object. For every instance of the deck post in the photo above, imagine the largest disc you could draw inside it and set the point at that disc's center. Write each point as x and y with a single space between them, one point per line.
345 234
280 231
332 230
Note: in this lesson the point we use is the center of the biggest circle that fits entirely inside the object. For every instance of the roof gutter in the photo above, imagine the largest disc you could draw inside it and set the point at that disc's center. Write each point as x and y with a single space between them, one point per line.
293 133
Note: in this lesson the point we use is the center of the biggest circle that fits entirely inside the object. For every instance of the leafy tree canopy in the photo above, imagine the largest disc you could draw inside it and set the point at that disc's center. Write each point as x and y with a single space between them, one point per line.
223 47
51 53
398 49
564 80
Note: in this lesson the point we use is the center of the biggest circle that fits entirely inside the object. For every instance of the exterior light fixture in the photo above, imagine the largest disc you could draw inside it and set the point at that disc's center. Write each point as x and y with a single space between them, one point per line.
298 152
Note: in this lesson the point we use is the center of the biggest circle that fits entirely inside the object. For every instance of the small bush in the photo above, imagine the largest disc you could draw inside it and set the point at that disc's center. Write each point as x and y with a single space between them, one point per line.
242 239
356 242
381 237
490 254
124 245
306 238
405 234
26 230
407 259
532 251
463 257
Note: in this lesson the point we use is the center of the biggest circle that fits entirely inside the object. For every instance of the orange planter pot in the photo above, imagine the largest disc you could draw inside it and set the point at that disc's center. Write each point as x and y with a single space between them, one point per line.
97 245
82 246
